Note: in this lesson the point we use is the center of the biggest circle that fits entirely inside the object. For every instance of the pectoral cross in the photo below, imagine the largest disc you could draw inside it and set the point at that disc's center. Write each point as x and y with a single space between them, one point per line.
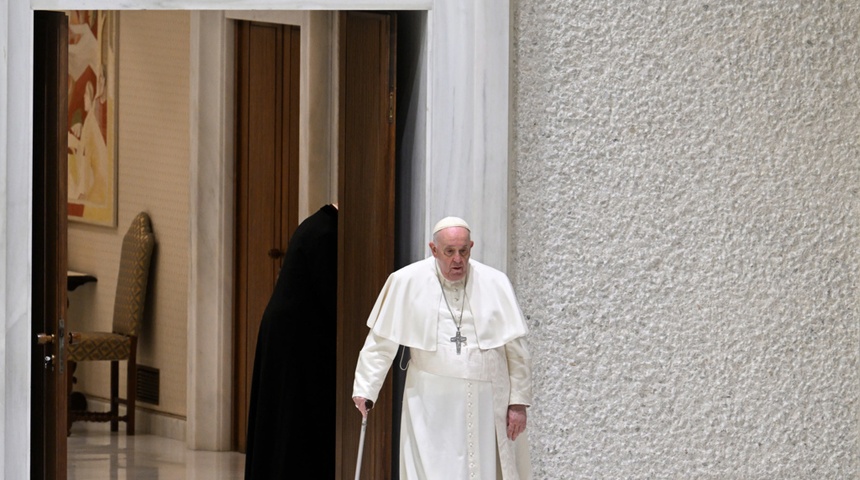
459 340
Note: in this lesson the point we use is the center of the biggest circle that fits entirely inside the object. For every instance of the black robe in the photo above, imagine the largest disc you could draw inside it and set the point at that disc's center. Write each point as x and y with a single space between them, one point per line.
291 416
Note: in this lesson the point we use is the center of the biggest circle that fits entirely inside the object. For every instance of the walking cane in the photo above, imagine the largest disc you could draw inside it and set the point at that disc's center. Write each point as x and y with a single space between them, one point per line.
368 405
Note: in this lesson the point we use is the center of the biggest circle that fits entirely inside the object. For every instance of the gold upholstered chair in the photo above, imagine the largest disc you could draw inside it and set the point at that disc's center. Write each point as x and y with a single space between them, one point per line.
120 344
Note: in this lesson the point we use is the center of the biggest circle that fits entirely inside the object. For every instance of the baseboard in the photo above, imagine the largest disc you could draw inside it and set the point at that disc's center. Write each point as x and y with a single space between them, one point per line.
146 421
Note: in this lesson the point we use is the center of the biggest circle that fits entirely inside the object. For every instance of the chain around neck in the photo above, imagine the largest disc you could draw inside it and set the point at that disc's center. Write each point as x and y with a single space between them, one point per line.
457 322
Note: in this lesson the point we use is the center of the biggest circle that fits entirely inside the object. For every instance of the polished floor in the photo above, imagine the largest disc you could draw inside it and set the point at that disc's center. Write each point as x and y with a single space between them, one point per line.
100 455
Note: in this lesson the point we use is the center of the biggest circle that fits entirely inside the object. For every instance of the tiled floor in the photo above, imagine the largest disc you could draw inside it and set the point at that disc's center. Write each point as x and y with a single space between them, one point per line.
100 455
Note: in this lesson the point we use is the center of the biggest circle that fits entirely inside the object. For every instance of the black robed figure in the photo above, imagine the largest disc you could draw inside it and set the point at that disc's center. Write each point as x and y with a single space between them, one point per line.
291 417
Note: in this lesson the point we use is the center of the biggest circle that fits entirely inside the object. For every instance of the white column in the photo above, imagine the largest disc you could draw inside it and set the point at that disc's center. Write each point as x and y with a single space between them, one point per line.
467 168
16 213
210 285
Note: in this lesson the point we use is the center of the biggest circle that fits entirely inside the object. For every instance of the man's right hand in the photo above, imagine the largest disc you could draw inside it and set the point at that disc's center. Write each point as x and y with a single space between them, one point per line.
363 405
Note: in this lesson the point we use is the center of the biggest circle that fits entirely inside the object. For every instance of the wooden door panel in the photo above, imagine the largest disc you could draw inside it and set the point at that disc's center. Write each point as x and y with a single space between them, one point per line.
366 223
261 197
266 185
49 394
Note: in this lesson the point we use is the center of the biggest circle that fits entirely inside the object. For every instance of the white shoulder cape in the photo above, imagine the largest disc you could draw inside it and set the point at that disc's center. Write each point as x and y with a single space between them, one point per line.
407 308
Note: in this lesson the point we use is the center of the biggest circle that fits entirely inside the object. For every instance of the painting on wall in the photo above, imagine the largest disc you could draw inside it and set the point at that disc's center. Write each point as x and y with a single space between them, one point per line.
92 186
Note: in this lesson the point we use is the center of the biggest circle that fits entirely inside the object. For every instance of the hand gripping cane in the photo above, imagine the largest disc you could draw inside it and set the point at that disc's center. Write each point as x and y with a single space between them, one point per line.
367 405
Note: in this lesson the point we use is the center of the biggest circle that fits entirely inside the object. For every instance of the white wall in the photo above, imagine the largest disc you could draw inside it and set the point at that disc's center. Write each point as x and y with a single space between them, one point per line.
686 236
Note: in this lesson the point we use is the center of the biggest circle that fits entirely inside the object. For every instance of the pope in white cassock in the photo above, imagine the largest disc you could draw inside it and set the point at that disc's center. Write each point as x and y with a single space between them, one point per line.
468 382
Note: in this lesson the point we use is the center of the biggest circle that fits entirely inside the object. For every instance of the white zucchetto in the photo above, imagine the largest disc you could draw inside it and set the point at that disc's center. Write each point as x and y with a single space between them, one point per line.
449 222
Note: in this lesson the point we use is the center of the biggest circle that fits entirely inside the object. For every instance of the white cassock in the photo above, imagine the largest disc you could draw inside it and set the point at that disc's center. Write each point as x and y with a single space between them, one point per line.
454 416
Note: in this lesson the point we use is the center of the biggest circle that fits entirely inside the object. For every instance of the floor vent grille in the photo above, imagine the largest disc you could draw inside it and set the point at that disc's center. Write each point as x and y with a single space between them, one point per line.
147 384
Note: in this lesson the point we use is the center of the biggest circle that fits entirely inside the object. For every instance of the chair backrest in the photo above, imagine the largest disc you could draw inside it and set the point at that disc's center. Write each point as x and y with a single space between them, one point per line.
137 246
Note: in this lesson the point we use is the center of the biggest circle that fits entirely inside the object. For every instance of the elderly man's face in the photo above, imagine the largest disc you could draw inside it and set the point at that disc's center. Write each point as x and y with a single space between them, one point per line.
452 248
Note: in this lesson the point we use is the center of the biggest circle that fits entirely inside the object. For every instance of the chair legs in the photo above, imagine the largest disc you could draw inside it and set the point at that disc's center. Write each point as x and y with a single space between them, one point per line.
131 385
130 399
113 415
114 395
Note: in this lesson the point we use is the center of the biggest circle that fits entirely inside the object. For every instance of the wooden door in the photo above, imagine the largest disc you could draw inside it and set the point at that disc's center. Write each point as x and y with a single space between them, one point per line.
365 223
48 395
267 149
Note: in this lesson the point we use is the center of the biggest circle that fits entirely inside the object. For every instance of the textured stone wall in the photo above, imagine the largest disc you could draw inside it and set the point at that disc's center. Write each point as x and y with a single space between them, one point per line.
685 236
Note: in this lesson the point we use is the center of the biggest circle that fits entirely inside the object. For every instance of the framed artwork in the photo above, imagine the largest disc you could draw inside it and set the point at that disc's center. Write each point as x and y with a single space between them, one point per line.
92 154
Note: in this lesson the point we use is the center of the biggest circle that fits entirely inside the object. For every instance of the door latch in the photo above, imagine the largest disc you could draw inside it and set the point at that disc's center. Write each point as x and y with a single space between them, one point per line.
49 362
46 339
